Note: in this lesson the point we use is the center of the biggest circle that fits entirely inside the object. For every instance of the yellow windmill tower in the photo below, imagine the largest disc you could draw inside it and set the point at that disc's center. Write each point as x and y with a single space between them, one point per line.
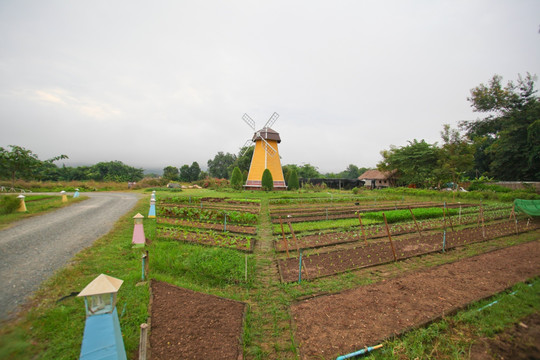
265 155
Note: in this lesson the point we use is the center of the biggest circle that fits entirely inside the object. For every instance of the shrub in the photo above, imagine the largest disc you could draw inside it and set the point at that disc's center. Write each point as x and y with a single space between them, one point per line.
8 204
236 179
293 183
267 180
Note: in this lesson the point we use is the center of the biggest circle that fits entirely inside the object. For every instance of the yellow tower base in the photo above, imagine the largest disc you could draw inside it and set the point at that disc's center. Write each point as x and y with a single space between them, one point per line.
265 159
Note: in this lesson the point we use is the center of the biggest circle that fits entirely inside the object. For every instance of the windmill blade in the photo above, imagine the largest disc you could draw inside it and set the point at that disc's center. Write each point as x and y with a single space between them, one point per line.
249 121
246 147
268 148
271 121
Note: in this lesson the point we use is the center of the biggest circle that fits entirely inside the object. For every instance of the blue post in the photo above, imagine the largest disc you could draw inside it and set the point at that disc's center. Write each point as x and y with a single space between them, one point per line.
300 267
143 257
225 223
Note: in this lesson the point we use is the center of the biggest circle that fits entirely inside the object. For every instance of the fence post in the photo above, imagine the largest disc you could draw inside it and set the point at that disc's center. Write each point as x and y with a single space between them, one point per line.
284 239
300 267
389 237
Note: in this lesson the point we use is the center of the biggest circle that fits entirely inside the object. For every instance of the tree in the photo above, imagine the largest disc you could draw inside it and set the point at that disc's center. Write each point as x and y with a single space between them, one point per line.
243 160
21 162
508 139
184 173
194 171
293 183
115 171
415 163
267 181
236 179
218 167
308 171
171 173
456 156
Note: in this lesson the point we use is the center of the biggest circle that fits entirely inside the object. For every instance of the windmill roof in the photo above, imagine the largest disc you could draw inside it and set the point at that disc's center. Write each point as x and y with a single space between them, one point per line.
267 134
103 284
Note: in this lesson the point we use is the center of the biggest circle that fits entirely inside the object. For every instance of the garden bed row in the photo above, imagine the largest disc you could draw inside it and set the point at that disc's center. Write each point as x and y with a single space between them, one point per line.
378 230
334 262
209 238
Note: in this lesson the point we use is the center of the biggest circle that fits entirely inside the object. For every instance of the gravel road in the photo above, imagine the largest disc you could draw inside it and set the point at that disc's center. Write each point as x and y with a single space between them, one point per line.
33 249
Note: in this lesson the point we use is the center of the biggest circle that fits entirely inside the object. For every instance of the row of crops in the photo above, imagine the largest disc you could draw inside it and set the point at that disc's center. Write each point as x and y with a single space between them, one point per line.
208 221
376 234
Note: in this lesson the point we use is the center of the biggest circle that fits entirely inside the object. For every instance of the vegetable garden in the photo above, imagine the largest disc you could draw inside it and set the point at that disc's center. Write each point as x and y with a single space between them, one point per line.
208 221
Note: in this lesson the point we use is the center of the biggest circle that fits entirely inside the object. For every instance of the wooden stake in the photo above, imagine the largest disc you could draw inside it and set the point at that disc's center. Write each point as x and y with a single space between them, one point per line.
482 217
297 247
389 237
143 341
415 223
362 227
284 239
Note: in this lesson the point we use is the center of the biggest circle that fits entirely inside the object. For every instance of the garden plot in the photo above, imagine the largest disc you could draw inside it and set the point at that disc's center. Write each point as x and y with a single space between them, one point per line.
375 231
332 325
189 325
208 221
331 211
212 238
317 265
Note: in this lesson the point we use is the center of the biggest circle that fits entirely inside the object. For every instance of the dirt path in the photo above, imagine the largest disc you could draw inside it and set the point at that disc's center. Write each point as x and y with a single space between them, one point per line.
34 248
333 325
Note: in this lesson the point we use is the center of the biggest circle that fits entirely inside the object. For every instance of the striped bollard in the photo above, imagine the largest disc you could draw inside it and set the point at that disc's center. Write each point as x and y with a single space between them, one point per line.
152 211
76 194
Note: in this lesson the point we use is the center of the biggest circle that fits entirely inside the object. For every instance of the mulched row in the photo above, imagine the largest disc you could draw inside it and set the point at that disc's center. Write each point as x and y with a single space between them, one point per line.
338 324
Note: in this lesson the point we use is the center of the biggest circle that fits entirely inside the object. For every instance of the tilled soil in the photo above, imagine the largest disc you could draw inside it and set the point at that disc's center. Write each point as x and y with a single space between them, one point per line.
333 325
189 325
334 262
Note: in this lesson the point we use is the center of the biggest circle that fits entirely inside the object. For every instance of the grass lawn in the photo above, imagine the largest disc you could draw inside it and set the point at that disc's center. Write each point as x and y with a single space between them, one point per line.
50 328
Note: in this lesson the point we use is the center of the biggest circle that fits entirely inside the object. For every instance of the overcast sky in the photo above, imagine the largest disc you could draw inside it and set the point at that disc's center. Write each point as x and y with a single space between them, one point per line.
158 83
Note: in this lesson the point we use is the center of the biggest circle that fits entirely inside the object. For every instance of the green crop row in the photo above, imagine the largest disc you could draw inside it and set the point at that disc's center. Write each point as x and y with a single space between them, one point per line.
209 215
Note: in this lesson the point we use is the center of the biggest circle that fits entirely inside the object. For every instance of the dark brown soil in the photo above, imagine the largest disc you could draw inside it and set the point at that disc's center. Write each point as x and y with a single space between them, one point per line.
338 324
189 325
520 342
334 262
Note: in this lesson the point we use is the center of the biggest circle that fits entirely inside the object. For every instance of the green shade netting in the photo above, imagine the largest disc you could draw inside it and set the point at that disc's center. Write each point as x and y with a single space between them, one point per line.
529 207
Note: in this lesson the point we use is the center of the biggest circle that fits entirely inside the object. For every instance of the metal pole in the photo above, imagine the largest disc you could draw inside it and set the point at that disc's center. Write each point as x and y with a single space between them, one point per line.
300 267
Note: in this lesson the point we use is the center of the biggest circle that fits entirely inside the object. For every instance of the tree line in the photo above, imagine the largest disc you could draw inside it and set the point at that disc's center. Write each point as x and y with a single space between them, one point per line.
504 145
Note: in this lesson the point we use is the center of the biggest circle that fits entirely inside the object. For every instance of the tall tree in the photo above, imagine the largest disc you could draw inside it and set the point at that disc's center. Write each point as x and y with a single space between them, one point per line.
267 181
171 173
184 173
219 166
194 171
508 138
456 156
415 163
21 162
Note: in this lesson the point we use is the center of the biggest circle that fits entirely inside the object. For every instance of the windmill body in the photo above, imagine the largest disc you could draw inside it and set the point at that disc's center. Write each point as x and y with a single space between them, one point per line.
265 156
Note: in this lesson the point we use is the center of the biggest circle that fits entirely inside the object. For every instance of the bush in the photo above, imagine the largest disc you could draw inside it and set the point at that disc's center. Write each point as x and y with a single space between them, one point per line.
8 204
236 179
267 180
293 183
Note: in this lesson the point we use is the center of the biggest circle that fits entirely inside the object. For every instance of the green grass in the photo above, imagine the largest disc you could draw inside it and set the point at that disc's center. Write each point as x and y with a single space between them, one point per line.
37 205
53 329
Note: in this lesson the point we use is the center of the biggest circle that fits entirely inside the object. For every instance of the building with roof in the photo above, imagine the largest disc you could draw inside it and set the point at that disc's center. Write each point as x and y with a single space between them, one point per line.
376 179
